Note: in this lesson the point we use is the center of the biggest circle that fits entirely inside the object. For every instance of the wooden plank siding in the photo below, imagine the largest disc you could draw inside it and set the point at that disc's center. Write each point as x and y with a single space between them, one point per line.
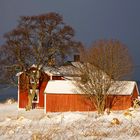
23 92
41 95
76 102
67 102
118 102
23 99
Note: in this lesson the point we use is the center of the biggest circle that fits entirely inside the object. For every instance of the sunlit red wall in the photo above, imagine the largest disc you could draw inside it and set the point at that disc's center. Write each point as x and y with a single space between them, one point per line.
22 91
67 102
23 99
41 94
119 102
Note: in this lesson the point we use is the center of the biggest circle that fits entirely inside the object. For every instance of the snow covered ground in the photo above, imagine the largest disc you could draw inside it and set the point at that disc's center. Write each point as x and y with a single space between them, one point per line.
35 125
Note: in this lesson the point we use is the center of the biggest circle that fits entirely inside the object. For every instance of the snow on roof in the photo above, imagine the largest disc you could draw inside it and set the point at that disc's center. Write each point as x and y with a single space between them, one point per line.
69 70
123 88
61 86
51 71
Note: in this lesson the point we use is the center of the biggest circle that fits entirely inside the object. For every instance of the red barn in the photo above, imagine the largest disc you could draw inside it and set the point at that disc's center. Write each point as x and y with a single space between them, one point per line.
63 96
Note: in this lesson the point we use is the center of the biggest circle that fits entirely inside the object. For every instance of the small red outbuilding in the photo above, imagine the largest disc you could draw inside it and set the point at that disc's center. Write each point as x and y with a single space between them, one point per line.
63 96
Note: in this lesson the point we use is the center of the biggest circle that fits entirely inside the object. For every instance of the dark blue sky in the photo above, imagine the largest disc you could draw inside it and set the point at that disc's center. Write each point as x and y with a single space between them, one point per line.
91 19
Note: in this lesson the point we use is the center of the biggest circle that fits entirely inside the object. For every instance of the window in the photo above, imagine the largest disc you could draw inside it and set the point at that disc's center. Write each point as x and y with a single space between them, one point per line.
32 81
36 97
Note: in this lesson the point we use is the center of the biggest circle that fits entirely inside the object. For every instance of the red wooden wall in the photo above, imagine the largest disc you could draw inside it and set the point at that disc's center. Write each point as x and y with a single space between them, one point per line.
41 95
67 102
22 91
119 102
23 99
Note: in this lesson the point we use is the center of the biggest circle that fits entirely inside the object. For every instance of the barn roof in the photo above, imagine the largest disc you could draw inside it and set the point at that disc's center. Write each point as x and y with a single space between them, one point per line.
68 87
61 86
67 70
51 70
123 88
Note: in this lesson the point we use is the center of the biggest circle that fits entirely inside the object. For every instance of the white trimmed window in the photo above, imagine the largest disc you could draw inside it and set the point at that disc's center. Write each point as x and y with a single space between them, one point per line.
36 97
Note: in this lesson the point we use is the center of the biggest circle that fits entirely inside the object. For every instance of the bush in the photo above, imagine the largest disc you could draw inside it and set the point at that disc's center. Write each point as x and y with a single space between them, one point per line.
136 103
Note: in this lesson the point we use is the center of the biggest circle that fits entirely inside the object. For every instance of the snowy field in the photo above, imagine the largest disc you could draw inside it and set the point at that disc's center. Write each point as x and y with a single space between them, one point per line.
35 125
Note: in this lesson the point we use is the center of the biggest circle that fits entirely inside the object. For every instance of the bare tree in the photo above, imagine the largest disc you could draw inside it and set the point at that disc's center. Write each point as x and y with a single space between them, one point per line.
103 64
41 40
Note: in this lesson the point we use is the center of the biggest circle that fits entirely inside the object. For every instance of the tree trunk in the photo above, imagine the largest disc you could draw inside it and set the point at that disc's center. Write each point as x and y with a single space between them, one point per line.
31 97
100 106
